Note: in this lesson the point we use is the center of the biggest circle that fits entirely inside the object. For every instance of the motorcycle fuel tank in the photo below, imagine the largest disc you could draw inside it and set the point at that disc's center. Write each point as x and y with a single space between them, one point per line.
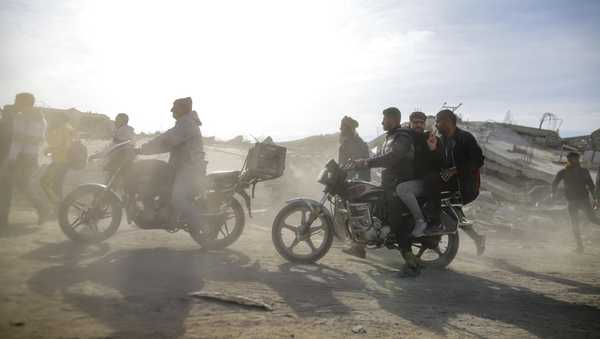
361 190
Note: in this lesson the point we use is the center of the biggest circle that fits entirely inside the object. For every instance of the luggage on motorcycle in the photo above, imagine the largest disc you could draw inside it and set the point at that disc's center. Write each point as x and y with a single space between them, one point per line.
78 155
265 161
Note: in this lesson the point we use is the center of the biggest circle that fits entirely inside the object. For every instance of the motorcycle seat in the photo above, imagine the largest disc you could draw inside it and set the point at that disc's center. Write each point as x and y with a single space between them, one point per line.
223 177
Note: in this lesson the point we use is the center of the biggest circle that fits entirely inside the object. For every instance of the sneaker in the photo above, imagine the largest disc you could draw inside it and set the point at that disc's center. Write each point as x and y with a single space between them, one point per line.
480 244
356 250
419 229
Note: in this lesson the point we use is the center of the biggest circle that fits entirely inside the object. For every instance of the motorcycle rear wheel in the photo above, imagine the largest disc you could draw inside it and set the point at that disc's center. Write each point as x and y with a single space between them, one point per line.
436 251
222 236
82 211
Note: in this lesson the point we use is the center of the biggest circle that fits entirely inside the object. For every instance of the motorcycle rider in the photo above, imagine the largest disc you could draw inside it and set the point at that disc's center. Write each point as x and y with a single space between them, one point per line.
427 163
186 158
353 147
396 158
462 158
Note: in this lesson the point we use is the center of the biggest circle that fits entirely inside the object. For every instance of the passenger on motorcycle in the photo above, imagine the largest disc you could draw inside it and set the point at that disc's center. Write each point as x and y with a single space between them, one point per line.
186 157
427 163
462 158
396 157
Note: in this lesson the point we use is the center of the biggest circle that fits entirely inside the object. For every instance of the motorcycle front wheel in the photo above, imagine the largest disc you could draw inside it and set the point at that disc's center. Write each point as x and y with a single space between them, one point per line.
298 240
90 214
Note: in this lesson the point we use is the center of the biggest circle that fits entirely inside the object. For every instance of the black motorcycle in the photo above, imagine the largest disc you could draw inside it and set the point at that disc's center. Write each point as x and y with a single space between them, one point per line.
303 230
142 188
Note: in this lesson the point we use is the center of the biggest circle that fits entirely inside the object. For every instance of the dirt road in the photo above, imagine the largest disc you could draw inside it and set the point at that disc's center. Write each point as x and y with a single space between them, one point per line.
136 285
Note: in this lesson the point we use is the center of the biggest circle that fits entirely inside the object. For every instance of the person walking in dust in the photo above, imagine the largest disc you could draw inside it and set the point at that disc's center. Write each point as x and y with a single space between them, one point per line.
578 188
60 138
28 128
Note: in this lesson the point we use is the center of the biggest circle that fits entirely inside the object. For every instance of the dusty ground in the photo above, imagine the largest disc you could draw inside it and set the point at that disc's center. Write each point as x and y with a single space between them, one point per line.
135 286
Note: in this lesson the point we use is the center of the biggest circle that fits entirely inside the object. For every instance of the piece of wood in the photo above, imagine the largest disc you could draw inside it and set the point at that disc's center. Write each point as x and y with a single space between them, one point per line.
233 299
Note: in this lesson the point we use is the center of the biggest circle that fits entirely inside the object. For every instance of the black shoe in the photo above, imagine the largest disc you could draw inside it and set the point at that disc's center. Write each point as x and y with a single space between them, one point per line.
356 250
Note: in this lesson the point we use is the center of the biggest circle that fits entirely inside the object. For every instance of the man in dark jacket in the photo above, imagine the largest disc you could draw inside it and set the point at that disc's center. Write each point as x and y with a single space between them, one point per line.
427 163
578 188
462 158
396 157
186 157
352 147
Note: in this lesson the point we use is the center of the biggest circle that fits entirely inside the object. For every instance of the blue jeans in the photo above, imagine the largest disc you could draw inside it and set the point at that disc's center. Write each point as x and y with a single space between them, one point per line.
408 192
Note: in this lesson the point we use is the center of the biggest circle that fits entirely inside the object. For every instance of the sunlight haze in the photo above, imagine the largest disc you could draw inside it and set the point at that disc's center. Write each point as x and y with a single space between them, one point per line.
293 69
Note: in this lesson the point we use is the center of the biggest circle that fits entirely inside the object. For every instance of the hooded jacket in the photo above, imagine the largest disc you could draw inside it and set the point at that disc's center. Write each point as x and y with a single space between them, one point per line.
183 142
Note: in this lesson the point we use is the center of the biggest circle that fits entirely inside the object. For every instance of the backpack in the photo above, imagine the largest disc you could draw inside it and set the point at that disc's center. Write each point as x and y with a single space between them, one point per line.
78 155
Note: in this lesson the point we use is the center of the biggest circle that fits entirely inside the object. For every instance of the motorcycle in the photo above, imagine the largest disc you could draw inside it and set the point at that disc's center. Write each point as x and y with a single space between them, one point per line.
303 230
92 212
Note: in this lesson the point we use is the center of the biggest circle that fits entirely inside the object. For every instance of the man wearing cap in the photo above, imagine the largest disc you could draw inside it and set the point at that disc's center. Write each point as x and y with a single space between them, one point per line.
353 147
578 188
186 157
396 158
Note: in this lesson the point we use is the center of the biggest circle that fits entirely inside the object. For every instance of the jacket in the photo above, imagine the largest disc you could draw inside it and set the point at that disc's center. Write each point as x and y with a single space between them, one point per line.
463 152
396 157
426 160
122 134
353 148
578 183
183 142
59 143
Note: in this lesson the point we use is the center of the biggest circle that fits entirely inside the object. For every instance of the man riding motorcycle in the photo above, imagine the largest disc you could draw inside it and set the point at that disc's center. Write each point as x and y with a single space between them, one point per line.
396 158
186 158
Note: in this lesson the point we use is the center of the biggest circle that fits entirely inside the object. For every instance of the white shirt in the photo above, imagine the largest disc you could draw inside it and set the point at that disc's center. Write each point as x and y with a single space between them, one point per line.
29 133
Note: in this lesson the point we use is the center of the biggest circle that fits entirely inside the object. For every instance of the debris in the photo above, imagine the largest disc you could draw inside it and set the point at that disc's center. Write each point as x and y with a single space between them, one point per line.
358 329
234 299
17 323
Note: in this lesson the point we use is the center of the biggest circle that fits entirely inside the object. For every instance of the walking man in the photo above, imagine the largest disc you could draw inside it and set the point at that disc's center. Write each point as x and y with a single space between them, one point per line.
578 188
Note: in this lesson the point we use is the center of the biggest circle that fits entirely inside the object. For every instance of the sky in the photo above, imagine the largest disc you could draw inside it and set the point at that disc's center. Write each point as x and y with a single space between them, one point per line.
291 69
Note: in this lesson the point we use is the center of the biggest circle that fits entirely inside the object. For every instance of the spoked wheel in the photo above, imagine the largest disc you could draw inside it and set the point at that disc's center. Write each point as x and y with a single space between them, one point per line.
299 236
436 251
224 229
90 214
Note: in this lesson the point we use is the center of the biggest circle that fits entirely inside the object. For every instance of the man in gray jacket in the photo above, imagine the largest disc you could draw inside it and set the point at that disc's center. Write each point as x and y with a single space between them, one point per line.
186 156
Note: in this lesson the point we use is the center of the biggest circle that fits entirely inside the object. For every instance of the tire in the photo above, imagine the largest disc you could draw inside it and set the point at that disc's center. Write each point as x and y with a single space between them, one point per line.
73 202
229 237
279 224
446 257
